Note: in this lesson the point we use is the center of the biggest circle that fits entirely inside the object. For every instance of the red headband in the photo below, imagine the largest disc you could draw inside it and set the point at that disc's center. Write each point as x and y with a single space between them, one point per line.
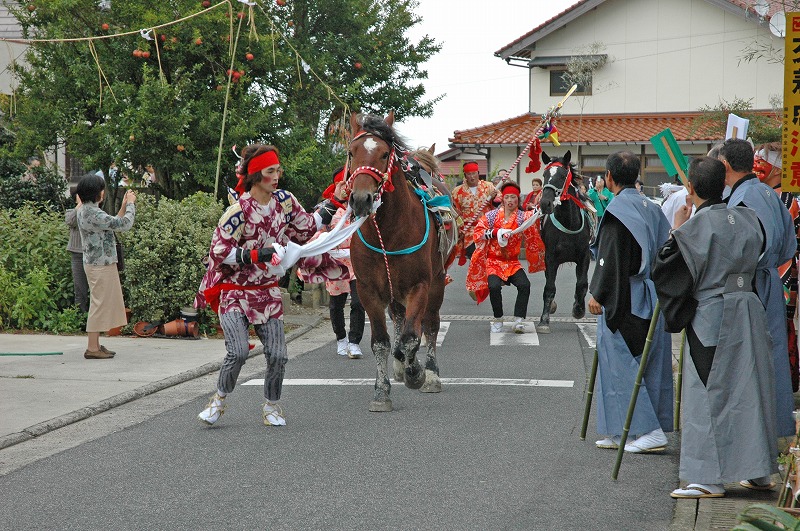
510 189
264 160
470 166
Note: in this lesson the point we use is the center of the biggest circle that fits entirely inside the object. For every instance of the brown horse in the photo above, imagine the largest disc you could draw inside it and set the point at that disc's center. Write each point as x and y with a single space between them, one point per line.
398 256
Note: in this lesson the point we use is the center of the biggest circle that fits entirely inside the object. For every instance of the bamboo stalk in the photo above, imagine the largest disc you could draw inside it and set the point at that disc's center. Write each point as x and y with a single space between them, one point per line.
676 422
589 396
637 385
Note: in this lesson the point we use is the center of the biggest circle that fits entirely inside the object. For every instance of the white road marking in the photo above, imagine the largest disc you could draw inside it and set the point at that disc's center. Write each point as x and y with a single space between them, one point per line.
508 337
443 328
517 382
589 332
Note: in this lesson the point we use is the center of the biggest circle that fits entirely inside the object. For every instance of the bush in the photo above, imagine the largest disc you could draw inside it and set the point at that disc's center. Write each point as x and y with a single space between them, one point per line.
35 271
46 189
164 254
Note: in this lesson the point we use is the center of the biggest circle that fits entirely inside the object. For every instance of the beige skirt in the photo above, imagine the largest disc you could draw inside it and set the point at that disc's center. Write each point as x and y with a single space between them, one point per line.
106 307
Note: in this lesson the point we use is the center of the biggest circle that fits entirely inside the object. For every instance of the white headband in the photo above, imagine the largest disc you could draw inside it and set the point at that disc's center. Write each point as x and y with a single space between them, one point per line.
773 157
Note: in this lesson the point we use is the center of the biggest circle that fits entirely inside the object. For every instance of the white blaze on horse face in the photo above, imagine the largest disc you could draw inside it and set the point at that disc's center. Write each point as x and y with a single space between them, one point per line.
370 145
552 172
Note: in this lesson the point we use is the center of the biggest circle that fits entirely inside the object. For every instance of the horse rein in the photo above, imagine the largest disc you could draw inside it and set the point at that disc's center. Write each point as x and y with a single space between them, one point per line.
563 193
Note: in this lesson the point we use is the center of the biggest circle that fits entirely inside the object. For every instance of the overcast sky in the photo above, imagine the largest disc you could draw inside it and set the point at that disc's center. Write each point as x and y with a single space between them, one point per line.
479 88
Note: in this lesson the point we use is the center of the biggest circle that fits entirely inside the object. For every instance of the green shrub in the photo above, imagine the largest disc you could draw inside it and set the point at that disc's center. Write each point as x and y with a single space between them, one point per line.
35 271
47 189
164 253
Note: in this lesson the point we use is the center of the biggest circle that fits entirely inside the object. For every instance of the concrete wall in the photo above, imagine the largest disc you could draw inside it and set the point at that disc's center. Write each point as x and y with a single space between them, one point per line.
665 56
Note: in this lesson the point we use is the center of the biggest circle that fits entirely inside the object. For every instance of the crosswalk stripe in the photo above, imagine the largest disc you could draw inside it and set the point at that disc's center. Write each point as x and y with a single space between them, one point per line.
589 332
516 382
507 337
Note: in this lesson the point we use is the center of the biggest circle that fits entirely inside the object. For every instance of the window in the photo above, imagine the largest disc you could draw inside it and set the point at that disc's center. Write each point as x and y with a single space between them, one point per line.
559 86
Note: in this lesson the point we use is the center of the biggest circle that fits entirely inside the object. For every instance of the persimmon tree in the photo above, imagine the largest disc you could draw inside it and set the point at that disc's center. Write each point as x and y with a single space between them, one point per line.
285 73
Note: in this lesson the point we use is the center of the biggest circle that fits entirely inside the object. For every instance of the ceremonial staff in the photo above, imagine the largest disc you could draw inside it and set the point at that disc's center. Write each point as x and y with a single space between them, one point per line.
547 119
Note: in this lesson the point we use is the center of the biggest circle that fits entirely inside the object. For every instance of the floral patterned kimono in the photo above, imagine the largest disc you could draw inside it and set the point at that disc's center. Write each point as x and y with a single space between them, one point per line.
252 289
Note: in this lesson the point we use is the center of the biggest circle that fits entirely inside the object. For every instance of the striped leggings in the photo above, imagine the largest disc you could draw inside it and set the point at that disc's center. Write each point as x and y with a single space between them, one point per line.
234 325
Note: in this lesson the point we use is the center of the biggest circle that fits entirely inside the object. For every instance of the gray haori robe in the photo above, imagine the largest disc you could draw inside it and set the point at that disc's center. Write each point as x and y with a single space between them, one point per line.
624 287
780 247
729 424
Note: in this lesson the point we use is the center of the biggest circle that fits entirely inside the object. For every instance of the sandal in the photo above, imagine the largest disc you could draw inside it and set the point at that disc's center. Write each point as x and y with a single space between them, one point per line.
695 491
752 485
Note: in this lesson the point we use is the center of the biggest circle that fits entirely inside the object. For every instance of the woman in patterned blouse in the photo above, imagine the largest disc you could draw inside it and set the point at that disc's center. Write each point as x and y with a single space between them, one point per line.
106 307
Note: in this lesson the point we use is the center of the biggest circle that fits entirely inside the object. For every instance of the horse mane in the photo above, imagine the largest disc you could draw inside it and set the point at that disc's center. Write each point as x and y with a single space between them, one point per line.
375 125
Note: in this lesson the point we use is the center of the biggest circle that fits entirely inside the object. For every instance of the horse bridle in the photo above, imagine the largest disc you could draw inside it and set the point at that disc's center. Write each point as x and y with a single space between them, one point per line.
384 179
563 193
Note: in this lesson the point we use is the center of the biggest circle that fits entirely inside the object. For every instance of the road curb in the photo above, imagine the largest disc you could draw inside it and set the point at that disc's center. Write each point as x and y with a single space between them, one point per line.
117 400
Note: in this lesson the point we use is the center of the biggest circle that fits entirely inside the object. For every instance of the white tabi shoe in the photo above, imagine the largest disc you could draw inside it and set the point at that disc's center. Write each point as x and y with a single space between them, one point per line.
497 327
519 327
273 415
655 441
610 443
694 491
213 411
354 351
341 347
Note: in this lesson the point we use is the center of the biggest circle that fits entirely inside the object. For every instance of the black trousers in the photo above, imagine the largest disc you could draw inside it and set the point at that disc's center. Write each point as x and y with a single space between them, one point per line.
520 281
357 318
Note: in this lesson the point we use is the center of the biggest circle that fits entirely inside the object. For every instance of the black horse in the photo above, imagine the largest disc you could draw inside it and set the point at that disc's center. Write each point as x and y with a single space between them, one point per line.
566 233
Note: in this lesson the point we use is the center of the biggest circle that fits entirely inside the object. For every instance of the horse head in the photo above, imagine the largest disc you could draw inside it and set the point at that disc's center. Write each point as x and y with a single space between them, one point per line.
558 174
371 160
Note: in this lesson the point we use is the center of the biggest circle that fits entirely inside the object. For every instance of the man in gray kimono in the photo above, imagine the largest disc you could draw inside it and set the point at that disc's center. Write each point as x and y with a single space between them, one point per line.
781 244
704 277
624 298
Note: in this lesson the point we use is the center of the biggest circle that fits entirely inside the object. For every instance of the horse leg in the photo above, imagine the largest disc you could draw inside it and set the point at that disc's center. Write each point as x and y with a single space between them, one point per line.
581 286
398 320
414 376
548 295
380 348
430 327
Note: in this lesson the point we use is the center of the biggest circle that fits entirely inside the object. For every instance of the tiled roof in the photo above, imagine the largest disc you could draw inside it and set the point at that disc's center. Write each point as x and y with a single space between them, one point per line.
594 129
508 50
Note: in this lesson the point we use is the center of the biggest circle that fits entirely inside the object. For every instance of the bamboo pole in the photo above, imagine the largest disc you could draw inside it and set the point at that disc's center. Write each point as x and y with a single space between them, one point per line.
637 385
589 396
676 422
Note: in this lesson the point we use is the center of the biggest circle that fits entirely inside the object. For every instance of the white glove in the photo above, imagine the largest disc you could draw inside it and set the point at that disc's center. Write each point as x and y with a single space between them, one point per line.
503 236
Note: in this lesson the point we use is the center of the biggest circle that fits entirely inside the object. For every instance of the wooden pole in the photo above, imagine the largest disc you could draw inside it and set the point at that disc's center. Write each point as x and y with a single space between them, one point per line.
674 160
589 395
637 385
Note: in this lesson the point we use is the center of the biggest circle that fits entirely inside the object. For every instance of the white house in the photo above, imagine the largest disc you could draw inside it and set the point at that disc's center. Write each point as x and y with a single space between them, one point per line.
665 60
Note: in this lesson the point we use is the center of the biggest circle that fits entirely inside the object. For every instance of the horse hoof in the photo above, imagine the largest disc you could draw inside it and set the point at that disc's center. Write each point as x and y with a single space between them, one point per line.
414 381
553 307
578 313
399 371
432 383
543 329
377 406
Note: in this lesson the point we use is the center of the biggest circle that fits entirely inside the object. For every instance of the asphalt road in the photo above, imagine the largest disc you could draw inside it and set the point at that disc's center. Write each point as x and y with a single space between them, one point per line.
480 456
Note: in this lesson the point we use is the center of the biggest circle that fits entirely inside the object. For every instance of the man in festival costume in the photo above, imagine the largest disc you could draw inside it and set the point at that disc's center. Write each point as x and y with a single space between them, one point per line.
747 190
496 259
471 199
241 277
705 285
767 167
623 297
